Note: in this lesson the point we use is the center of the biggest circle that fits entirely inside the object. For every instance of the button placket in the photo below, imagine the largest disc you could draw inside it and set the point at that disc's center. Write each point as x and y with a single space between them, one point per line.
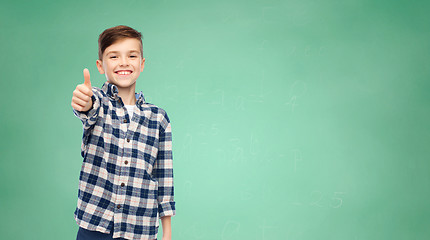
123 173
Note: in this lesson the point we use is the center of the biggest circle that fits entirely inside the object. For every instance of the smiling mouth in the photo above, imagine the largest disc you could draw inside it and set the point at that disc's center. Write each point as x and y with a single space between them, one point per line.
124 72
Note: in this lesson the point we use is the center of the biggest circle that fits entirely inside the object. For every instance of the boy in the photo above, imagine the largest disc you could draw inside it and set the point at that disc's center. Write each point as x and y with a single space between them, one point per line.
126 179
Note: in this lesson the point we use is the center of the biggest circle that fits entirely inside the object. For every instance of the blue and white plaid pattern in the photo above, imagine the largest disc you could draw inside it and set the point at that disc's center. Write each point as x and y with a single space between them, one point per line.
126 179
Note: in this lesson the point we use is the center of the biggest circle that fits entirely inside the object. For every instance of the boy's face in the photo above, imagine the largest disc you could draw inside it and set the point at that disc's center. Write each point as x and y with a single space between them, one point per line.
122 62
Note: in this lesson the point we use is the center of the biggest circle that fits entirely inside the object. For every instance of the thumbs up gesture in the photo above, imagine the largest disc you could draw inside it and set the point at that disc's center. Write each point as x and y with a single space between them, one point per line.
81 100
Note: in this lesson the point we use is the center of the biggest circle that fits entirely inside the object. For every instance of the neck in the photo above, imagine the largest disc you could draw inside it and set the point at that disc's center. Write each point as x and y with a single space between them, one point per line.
128 94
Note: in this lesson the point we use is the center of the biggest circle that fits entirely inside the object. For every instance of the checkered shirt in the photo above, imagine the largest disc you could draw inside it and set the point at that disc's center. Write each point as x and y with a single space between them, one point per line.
126 178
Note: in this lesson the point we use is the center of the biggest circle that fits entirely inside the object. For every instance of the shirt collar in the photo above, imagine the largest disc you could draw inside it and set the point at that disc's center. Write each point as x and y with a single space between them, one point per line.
112 91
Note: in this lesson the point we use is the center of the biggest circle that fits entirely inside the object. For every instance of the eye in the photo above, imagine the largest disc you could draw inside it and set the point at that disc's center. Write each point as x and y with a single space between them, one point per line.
133 56
113 57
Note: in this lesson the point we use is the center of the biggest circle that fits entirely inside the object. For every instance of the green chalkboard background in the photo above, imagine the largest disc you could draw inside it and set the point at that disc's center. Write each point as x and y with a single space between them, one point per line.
295 120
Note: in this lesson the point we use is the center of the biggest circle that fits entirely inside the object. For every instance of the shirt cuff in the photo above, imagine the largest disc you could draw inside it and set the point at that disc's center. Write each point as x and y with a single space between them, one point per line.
89 117
166 209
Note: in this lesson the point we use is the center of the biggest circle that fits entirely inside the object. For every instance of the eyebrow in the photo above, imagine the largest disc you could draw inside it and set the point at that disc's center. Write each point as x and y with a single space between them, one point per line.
118 52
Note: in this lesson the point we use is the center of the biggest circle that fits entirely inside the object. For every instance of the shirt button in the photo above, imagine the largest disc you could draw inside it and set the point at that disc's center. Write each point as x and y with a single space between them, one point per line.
126 162
122 184
119 206
125 120
128 139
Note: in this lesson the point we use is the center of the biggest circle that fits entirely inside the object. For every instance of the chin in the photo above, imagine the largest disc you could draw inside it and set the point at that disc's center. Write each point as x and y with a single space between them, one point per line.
123 84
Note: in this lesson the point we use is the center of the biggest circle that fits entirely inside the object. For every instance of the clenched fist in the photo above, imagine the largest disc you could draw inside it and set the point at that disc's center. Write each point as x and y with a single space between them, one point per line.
81 100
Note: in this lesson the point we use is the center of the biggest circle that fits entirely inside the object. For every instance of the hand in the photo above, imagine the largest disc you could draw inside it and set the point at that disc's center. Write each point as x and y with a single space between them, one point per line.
81 100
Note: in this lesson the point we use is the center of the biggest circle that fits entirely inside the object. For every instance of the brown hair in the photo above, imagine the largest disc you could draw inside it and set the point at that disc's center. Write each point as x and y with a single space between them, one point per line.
114 34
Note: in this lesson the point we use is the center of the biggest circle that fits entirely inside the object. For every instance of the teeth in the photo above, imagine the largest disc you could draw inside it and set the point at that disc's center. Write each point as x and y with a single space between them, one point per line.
124 72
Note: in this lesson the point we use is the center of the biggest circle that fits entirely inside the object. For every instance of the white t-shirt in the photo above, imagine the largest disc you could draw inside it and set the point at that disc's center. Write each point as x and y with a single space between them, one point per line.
130 110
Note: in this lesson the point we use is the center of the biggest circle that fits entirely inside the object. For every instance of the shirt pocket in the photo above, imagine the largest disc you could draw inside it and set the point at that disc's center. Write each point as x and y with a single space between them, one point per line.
152 185
147 146
110 132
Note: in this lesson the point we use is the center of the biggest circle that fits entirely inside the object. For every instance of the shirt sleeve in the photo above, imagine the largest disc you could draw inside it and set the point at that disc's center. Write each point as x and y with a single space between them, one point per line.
89 117
163 170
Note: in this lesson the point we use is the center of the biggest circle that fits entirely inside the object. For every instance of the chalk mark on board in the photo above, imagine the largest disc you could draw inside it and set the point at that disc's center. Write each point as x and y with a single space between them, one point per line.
193 231
263 15
185 154
297 157
262 45
238 151
239 103
293 51
337 197
246 195
292 101
231 16
297 89
197 93
215 129
316 203
254 146
221 100
180 65
257 98
265 227
230 229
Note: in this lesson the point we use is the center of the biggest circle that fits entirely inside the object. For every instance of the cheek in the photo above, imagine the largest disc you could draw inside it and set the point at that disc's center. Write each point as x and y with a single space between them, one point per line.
109 68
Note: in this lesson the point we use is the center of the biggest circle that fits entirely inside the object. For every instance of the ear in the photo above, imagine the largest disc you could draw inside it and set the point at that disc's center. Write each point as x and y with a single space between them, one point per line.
99 64
142 64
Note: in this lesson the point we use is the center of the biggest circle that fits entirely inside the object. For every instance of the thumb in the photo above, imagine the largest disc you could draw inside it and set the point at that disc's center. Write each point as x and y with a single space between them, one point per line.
87 78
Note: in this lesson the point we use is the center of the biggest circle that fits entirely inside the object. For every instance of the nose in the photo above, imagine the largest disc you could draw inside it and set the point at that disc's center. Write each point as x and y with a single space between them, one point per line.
124 61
